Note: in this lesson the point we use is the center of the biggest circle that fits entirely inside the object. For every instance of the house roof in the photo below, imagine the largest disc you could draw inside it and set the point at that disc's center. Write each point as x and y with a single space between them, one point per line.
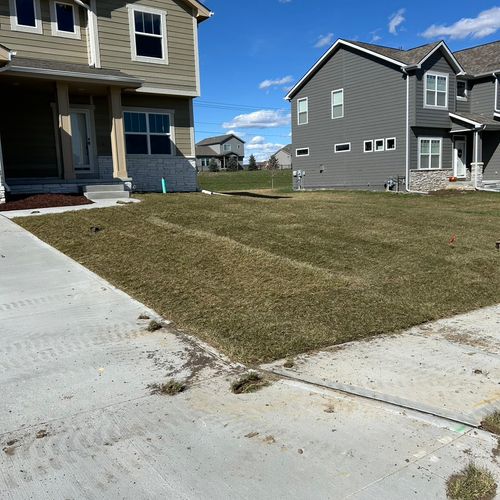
68 71
202 11
5 55
405 59
205 151
476 120
219 139
480 60
286 149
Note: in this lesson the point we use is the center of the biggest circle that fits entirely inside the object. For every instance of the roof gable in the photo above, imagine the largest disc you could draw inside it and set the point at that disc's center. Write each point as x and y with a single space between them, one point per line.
480 60
219 139
202 11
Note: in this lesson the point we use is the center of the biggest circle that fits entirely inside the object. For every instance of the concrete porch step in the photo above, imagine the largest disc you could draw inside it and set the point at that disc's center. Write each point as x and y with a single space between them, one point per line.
106 195
99 188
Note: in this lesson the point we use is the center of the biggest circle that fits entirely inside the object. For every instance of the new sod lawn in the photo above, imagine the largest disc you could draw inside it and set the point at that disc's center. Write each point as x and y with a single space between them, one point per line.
245 180
263 279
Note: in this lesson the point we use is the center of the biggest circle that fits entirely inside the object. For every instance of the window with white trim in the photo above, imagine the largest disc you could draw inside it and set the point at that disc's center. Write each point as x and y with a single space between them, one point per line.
368 146
462 90
227 147
148 33
303 111
25 16
205 162
390 144
379 145
302 152
338 104
148 132
436 90
343 148
429 153
64 19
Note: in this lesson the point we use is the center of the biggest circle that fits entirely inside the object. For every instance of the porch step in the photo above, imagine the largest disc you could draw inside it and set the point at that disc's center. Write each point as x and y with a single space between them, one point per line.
105 192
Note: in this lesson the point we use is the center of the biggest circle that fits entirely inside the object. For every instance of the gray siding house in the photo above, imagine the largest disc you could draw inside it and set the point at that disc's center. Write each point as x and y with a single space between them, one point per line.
98 92
284 157
367 116
220 149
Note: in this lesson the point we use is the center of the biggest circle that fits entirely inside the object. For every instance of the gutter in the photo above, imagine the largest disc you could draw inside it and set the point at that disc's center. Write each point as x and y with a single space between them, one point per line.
495 75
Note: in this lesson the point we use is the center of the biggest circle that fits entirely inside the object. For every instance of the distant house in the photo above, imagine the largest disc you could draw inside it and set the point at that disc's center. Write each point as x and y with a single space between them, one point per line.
284 157
220 149
365 116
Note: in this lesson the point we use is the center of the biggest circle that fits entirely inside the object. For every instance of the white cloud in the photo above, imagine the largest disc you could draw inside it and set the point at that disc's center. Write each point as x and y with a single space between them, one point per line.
375 36
324 40
238 133
267 84
396 20
258 139
265 118
262 150
284 1
485 24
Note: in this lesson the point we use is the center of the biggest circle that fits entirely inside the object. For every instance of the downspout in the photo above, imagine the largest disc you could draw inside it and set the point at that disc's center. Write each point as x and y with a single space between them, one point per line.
94 59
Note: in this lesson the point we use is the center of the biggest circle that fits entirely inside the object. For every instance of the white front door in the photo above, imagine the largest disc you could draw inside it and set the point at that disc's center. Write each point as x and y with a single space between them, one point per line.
82 134
460 157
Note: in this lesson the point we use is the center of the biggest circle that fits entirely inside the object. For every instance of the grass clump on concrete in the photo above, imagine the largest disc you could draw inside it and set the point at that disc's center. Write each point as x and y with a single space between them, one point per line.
250 382
154 326
492 423
170 388
472 483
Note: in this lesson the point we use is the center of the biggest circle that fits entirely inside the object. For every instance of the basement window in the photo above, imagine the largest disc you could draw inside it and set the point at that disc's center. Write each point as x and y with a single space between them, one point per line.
148 133
390 144
148 33
379 145
25 16
302 152
343 148
64 20
368 146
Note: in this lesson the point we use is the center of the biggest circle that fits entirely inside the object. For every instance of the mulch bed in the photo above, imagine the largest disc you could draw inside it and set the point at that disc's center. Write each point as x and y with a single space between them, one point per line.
29 202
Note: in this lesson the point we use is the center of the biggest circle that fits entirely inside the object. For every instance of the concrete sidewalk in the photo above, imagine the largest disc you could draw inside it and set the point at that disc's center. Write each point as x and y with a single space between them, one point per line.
78 420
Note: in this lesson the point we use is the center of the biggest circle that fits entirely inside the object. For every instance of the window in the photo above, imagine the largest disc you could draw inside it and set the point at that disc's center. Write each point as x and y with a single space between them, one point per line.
148 133
25 16
148 33
302 152
337 104
461 90
205 162
343 148
64 20
368 146
227 147
303 111
436 90
390 144
379 145
429 153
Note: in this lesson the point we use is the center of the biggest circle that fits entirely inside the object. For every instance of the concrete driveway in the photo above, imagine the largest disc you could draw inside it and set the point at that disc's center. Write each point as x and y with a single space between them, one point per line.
77 419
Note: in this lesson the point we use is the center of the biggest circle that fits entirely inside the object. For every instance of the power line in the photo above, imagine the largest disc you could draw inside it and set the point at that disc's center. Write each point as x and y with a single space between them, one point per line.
219 133
232 106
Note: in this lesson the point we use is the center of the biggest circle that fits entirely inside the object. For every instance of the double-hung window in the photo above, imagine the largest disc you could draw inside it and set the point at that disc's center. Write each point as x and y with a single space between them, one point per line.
338 104
227 147
429 153
436 90
25 16
303 111
148 132
148 33
64 19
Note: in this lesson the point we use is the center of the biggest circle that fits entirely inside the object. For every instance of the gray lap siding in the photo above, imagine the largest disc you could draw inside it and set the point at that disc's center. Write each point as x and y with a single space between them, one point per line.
374 108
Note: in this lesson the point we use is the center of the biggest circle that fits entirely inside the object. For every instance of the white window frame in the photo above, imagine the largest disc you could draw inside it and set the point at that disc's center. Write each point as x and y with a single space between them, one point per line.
227 147
420 139
301 155
342 144
132 9
441 75
15 26
153 111
306 99
387 142
364 146
76 34
460 98
375 150
341 91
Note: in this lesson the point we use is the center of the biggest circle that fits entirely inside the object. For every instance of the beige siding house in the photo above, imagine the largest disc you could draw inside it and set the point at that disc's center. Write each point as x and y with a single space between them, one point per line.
98 93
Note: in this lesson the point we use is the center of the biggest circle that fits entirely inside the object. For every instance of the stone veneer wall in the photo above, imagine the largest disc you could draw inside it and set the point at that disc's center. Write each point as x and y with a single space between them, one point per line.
147 171
430 180
2 193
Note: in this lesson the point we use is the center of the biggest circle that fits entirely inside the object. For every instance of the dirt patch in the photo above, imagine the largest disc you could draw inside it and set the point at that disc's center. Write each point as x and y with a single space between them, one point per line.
170 388
492 423
154 326
41 434
289 363
43 201
250 382
472 483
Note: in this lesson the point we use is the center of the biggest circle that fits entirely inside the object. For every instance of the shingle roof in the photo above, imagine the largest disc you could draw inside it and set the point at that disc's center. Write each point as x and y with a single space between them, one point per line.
205 151
481 59
286 149
489 121
219 139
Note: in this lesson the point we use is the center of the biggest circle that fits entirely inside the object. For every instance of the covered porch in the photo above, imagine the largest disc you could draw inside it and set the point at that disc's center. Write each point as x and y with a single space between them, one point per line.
57 120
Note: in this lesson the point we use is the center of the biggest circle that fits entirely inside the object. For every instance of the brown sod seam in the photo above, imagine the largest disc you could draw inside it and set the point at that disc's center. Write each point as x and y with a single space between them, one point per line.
248 383
265 279
170 388
472 483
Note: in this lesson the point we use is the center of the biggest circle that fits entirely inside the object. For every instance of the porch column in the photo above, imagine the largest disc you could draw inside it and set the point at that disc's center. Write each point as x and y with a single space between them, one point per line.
117 134
477 164
65 130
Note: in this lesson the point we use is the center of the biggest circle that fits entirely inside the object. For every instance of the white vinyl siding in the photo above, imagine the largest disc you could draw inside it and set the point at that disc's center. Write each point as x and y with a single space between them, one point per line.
25 16
303 111
338 104
430 153
436 90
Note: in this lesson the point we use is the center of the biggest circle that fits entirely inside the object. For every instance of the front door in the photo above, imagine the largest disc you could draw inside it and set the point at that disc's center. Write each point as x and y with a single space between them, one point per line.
81 132
460 157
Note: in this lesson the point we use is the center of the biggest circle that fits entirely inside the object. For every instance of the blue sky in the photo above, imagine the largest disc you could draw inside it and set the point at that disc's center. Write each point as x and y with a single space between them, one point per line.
251 51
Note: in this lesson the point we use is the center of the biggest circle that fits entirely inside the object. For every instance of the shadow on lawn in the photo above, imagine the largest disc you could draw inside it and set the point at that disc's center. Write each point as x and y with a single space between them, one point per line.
256 195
